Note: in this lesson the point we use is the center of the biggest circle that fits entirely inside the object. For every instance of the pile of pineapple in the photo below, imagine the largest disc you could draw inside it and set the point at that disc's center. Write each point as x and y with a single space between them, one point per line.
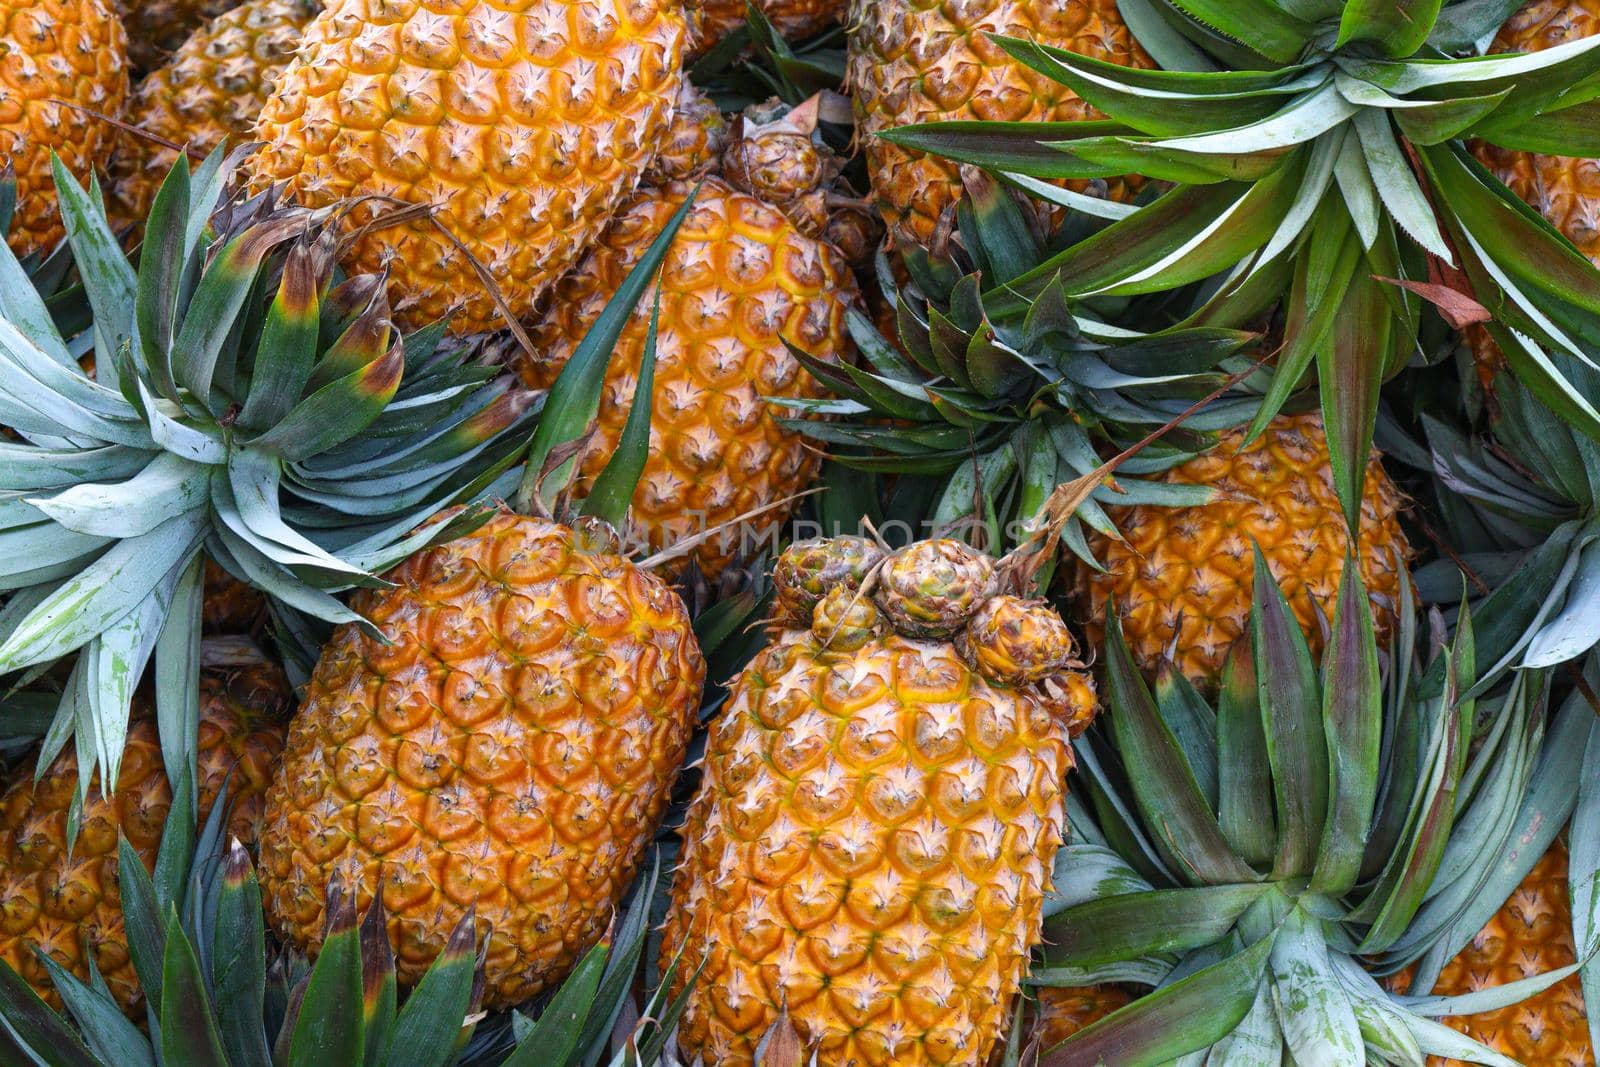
838 532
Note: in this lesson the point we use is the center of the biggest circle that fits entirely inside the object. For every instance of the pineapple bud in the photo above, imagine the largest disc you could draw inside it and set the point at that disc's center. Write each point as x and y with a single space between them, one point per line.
845 619
809 569
931 588
1016 642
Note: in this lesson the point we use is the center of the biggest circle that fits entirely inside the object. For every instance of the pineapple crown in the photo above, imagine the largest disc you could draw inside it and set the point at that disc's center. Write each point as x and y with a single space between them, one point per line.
1318 150
1239 857
998 397
849 590
196 939
243 405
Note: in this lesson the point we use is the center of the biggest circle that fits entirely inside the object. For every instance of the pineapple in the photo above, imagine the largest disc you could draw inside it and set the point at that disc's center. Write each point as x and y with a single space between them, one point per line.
63 65
741 284
1564 189
60 895
1531 934
793 19
1181 578
916 61
881 805
524 127
506 747
210 91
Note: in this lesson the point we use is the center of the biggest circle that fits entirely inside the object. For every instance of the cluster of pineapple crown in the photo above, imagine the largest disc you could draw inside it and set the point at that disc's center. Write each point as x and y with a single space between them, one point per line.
849 591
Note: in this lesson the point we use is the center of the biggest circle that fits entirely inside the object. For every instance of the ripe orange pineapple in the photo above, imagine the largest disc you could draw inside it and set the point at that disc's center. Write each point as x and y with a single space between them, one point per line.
926 60
64 900
1182 580
740 280
210 91
524 125
63 63
881 806
1564 189
511 751
1531 934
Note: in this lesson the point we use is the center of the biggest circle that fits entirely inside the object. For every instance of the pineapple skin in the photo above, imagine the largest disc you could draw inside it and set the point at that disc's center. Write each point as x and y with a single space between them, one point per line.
913 61
229 606
511 751
55 53
1189 572
210 91
869 847
68 904
1564 189
695 140
1530 934
158 27
524 124
739 281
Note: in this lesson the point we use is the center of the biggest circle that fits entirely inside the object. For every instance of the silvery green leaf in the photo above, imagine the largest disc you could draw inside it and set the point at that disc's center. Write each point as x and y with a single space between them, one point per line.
1319 175
1319 1027
182 438
1583 870
1257 1041
1549 604
27 468
116 663
1408 77
168 487
1307 117
102 593
1086 872
21 305
65 414
177 674
1383 1025
1355 182
1397 185
253 479
1096 206
1171 49
26 552
108 278
277 582
1437 1039
1576 627
1490 998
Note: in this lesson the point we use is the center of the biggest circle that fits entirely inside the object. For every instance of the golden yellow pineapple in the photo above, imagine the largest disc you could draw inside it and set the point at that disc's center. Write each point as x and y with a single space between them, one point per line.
793 19
523 124
1564 189
928 60
210 91
1529 935
1062 1011
63 63
739 281
510 751
874 833
66 902
1182 579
